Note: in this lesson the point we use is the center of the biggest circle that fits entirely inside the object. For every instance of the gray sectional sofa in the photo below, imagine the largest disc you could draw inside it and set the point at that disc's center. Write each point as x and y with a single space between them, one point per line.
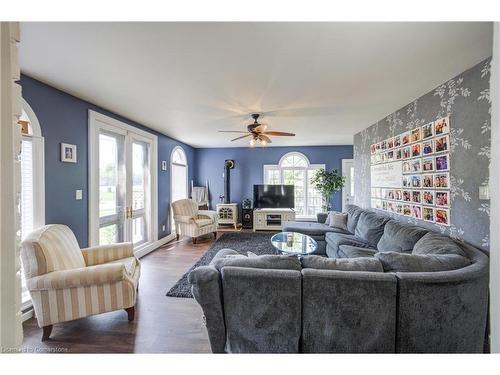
383 287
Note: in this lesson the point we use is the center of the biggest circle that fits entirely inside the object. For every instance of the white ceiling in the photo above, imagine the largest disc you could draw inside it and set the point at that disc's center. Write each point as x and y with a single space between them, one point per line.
322 81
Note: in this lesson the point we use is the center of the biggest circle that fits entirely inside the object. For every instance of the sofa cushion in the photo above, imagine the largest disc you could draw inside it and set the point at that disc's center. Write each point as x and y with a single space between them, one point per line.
310 228
435 243
353 213
403 262
370 227
399 237
337 220
342 264
348 251
334 240
283 262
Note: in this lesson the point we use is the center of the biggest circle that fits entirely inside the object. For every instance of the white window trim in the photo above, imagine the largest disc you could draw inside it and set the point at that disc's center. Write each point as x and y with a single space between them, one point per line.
99 121
38 166
38 152
309 166
172 224
345 162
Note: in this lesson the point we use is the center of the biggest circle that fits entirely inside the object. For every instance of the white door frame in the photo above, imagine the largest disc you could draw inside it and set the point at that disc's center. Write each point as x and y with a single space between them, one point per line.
344 169
99 121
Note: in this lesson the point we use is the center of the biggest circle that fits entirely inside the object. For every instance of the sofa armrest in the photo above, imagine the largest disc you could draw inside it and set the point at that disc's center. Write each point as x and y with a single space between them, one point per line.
209 214
107 253
207 291
87 276
321 217
183 219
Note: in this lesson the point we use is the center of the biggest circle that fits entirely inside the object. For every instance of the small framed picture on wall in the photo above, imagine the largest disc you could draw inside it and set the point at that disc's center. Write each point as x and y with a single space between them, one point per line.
442 180
442 144
442 216
405 138
442 126
428 214
428 130
442 163
68 153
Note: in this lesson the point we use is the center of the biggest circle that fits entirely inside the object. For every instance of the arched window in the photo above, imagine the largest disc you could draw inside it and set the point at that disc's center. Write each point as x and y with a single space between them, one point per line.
32 178
294 169
179 176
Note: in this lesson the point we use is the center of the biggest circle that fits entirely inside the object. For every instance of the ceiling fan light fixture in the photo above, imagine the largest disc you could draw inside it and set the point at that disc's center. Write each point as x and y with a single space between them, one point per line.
252 142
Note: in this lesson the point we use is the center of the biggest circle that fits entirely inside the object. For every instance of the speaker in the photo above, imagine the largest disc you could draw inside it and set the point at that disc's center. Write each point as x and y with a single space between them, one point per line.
247 218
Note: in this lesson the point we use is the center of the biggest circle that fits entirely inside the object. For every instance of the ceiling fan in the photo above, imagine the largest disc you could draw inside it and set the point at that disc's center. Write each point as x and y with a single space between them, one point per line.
258 133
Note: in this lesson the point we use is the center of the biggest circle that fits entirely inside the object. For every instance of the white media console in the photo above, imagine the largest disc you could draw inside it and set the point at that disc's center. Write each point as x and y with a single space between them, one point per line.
271 218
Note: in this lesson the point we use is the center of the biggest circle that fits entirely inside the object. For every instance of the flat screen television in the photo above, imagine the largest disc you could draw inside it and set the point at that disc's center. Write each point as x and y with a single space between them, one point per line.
273 196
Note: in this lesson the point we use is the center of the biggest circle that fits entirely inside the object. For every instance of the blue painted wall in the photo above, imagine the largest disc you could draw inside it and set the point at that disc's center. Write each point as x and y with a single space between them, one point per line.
249 167
64 118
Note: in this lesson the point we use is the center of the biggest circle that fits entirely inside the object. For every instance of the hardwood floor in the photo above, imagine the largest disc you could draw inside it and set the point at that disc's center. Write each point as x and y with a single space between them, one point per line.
162 324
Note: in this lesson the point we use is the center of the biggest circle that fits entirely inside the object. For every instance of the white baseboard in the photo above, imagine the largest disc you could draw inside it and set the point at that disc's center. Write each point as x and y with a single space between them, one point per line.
155 245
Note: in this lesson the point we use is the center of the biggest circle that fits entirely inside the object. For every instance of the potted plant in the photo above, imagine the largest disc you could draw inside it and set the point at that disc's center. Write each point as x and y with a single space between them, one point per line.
327 182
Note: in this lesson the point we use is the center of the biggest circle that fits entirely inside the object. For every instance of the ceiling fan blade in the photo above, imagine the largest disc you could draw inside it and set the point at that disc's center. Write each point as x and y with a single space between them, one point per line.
243 136
265 138
261 128
279 134
231 131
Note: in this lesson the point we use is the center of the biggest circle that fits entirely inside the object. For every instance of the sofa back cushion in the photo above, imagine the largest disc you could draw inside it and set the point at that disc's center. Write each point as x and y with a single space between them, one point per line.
342 264
435 243
399 237
403 262
370 227
283 262
353 213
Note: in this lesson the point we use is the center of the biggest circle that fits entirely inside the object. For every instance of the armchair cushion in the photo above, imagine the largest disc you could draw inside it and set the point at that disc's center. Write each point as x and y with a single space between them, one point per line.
130 264
184 219
203 214
203 222
107 253
86 276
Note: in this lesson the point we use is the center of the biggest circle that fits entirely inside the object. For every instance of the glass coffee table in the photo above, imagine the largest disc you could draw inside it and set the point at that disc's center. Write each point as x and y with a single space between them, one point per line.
294 243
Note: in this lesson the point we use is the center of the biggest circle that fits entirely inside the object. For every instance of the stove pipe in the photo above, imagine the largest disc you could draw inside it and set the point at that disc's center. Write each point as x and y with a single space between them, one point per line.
228 165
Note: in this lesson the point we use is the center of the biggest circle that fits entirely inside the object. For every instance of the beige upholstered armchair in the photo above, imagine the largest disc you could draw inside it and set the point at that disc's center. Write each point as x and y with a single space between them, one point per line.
189 221
67 283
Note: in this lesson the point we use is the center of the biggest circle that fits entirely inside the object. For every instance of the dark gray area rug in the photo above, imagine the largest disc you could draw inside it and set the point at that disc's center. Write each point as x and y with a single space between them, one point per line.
258 243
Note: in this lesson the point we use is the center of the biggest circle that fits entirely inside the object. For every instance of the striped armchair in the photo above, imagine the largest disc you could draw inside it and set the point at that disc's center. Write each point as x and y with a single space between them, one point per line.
192 222
67 283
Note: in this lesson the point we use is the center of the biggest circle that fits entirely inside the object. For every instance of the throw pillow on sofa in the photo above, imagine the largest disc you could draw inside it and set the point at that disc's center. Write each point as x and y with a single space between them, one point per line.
342 264
402 262
370 227
353 213
337 220
399 237
435 243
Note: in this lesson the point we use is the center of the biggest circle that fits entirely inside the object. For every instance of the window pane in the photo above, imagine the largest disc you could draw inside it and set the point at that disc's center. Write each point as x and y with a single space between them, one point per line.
107 235
294 160
179 157
27 201
272 177
139 169
314 198
108 175
296 177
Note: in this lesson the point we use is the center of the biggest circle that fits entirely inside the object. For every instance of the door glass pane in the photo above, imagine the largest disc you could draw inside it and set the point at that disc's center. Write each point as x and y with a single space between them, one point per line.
108 234
108 175
139 169
138 230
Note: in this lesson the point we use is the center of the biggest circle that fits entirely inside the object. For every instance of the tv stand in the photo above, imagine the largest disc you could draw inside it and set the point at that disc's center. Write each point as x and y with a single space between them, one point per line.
271 218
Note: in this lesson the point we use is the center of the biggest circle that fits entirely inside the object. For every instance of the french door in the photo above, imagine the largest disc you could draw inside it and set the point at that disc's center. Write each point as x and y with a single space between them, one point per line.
122 186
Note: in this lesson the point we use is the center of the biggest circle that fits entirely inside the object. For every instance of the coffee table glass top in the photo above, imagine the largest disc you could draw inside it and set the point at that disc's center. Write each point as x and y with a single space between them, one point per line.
294 243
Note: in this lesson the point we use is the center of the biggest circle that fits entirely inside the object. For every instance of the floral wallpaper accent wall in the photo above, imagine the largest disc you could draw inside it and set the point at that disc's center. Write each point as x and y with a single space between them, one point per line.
466 98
